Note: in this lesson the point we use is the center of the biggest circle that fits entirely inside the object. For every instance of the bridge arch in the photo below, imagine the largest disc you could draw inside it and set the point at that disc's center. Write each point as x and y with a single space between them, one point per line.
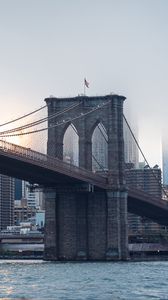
99 147
94 124
88 112
70 144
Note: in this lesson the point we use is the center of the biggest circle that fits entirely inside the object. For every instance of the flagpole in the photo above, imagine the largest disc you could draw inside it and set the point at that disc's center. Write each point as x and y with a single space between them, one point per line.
84 87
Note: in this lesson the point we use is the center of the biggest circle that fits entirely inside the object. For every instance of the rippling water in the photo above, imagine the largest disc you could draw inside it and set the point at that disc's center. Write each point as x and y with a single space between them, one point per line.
83 281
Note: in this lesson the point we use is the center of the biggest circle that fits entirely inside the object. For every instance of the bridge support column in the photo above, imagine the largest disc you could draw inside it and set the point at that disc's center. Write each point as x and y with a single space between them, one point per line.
67 225
113 250
96 219
85 225
81 226
50 251
124 225
85 154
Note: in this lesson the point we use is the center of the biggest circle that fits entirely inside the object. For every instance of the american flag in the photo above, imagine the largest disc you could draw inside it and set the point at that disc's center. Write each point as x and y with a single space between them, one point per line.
86 83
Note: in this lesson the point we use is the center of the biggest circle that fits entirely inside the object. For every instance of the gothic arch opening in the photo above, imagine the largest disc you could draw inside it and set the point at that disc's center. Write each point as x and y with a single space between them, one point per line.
99 148
71 146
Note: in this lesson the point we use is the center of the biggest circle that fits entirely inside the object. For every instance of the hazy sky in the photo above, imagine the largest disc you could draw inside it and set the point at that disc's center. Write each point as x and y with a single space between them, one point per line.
47 47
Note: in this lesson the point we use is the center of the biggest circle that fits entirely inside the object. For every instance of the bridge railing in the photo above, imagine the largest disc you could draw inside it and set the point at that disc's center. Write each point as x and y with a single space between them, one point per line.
27 152
47 160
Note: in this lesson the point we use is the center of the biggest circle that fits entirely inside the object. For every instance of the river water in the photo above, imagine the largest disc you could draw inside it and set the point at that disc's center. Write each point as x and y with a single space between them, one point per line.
83 281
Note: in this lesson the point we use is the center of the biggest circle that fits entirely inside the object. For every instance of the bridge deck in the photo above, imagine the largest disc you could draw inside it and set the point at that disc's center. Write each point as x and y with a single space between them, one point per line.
145 205
35 167
39 168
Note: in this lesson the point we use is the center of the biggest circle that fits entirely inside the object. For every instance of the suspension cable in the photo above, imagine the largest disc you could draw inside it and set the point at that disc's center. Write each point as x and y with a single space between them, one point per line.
92 153
58 124
4 133
102 133
157 179
100 165
29 125
19 118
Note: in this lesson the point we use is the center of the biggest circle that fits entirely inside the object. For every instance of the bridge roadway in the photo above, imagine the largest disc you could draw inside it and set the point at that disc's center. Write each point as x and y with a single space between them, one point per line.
35 167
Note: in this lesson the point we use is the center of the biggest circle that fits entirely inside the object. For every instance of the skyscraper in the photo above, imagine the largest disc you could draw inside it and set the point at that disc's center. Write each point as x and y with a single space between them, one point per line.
148 180
20 186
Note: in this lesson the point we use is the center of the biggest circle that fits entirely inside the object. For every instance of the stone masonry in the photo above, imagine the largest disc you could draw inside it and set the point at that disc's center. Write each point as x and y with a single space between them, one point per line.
87 223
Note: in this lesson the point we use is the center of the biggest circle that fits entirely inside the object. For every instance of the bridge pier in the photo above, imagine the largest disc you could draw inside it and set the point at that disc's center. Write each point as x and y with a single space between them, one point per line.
85 225
113 251
117 235
89 224
124 225
50 251
81 227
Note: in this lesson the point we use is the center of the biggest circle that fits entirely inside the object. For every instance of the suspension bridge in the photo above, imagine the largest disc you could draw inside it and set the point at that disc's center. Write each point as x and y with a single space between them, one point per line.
87 198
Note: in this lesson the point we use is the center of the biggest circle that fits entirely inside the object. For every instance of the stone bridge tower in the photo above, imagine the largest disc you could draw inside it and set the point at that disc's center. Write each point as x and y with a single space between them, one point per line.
83 222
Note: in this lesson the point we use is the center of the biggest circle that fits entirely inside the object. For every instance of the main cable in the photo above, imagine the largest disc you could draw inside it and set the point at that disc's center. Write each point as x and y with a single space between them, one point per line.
57 124
24 116
32 124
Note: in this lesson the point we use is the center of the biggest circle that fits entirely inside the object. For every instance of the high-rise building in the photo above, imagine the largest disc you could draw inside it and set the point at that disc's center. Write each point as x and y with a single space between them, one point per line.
7 193
20 186
35 198
32 197
148 180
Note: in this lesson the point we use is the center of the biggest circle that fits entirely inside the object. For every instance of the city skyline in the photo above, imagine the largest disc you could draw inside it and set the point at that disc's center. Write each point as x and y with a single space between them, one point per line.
119 46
